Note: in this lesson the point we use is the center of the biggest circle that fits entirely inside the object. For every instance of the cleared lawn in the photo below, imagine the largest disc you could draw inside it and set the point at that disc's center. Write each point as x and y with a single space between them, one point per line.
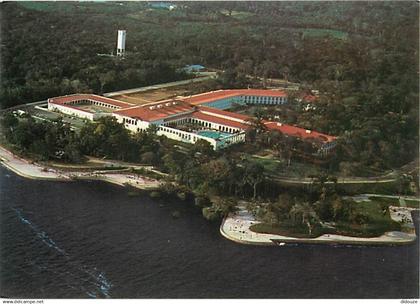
379 222
277 167
385 201
289 229
395 201
412 203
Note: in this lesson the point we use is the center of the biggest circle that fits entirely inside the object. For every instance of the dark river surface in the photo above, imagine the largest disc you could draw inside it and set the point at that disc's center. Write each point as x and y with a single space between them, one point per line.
93 240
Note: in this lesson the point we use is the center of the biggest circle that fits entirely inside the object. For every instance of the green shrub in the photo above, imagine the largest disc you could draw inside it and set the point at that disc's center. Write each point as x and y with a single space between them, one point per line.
155 194
210 214
176 214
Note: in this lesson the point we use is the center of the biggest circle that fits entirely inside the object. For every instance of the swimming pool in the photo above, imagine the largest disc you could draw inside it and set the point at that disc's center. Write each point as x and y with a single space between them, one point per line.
213 134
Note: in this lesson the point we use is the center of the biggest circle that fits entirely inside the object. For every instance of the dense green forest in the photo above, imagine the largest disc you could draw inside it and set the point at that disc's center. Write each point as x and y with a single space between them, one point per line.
361 56
51 48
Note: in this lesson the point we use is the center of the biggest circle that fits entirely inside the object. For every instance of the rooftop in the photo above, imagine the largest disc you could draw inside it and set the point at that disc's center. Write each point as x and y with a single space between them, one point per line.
298 132
219 120
63 100
193 67
218 112
222 117
220 94
157 110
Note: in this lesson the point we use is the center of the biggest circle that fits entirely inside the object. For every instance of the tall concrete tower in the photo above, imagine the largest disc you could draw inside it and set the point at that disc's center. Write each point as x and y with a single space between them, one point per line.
121 43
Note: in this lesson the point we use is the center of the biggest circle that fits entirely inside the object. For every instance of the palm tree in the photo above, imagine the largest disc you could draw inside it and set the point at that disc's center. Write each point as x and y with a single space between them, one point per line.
253 175
306 213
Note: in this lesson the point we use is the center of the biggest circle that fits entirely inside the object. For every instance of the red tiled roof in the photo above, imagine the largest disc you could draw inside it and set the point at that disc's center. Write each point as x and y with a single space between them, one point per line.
216 95
285 129
224 113
298 132
156 111
309 98
63 100
219 120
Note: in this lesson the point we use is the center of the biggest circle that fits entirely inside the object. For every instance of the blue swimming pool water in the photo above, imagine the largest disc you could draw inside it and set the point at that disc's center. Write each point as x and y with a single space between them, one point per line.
213 134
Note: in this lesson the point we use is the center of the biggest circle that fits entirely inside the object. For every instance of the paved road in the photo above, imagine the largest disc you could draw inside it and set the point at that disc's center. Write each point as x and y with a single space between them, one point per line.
22 106
394 196
372 180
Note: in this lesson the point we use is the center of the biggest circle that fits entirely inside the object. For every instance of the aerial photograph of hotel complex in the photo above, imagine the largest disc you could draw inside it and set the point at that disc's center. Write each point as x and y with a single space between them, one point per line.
209 150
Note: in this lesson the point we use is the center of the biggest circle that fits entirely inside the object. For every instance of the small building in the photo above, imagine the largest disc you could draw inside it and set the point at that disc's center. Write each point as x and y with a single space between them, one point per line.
324 143
162 5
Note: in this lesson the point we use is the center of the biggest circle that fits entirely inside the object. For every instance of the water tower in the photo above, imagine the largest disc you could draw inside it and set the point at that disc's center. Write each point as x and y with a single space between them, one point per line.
121 43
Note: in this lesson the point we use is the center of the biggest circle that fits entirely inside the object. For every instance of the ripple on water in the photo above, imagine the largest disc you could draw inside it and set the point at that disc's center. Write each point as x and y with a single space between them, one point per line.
91 240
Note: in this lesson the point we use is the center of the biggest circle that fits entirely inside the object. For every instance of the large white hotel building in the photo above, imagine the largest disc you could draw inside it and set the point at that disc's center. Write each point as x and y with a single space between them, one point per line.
189 119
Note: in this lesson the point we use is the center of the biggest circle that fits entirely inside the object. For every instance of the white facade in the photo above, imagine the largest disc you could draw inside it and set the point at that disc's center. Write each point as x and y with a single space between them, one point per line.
132 124
71 111
121 43
70 108
221 129
205 125
192 138
136 125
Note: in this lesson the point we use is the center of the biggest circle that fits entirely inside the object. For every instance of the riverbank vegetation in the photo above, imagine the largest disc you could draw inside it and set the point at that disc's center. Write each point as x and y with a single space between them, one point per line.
331 214
362 59
213 180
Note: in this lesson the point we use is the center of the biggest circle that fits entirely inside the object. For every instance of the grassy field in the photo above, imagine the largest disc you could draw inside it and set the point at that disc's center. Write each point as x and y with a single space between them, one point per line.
49 6
389 188
386 201
395 201
314 32
288 229
378 222
277 167
82 7
412 203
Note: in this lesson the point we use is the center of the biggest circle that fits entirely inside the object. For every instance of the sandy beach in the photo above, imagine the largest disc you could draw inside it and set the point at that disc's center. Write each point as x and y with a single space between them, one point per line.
33 170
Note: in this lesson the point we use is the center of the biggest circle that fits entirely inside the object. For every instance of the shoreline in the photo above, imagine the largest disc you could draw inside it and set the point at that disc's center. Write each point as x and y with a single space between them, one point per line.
30 170
235 227
229 226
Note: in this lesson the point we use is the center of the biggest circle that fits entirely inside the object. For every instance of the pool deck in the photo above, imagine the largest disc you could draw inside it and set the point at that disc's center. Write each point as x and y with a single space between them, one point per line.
213 134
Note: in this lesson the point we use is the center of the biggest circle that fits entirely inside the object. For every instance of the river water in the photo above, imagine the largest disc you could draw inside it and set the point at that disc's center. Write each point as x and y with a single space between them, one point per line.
93 240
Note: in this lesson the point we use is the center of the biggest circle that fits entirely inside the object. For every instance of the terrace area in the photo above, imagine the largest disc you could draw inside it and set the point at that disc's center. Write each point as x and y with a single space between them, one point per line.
92 108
